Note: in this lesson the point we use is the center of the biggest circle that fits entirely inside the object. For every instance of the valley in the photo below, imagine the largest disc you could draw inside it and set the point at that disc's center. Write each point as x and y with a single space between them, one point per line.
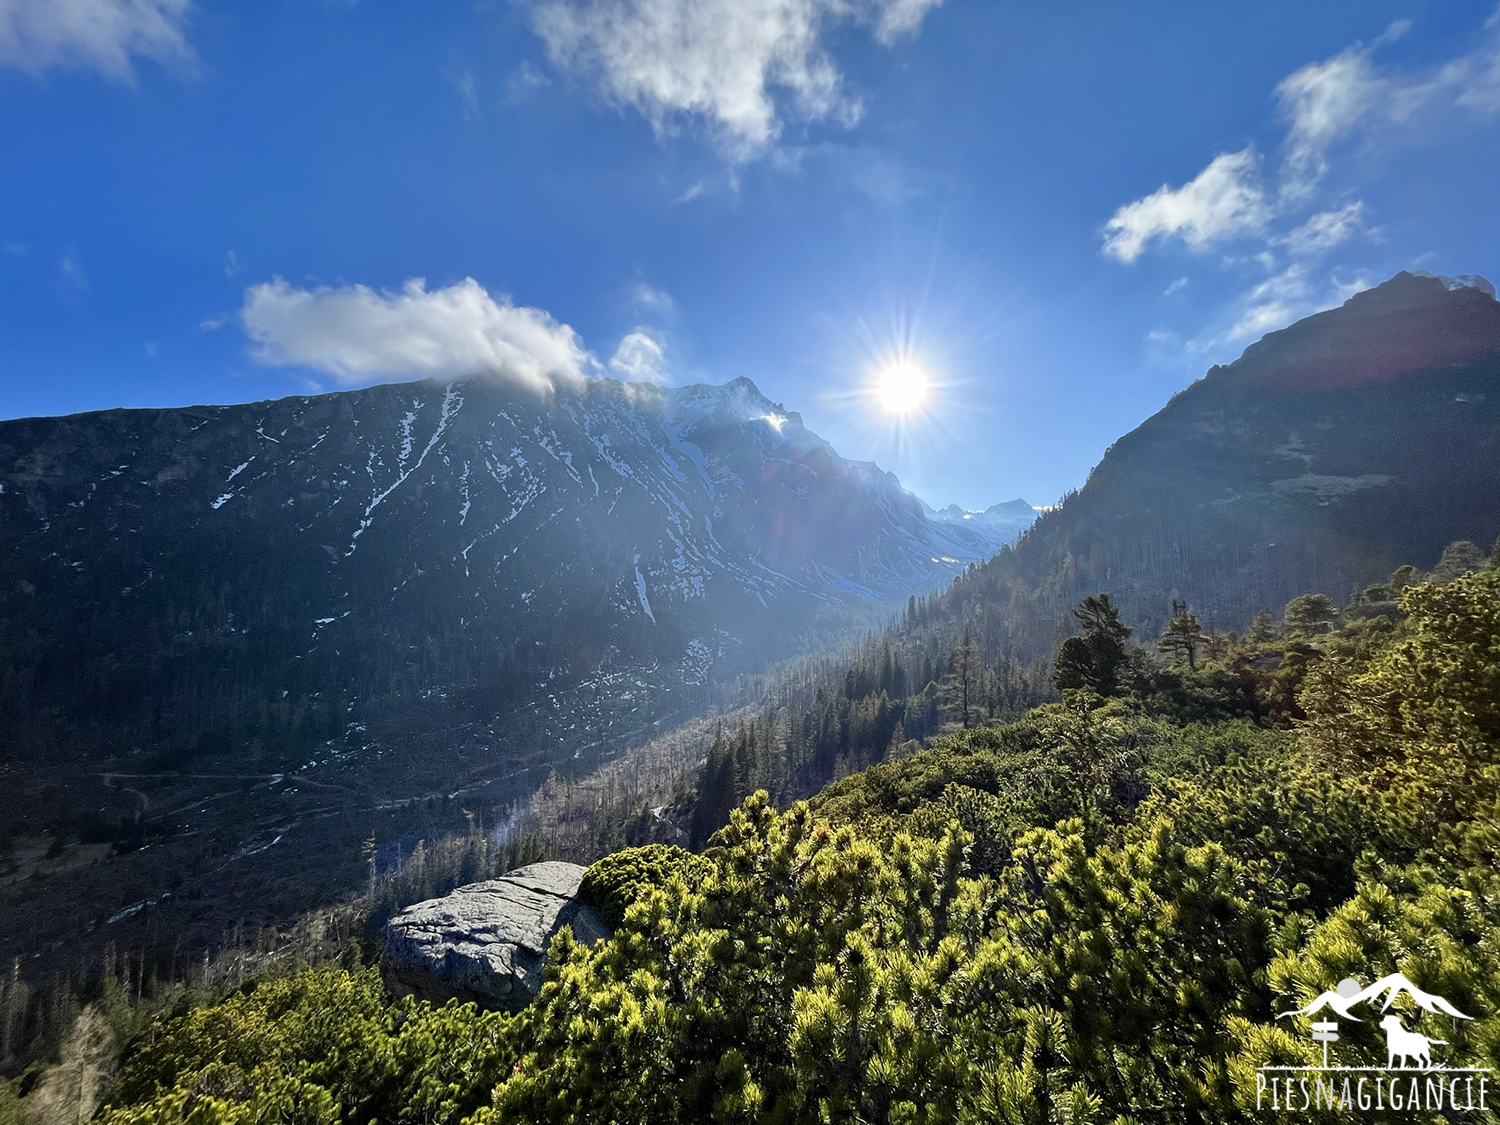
302 655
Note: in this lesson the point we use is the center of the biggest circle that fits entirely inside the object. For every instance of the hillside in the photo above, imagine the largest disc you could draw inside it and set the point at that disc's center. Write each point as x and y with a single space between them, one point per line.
250 635
1108 911
192 578
1328 454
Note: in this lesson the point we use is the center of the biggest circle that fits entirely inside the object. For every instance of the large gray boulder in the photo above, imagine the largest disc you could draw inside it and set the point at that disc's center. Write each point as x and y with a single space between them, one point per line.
487 942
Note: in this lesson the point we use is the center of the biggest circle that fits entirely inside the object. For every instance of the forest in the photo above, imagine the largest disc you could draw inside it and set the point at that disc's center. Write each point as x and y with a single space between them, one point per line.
1086 910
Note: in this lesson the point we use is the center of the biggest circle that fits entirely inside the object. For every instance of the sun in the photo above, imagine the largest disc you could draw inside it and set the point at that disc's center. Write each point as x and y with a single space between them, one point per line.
901 388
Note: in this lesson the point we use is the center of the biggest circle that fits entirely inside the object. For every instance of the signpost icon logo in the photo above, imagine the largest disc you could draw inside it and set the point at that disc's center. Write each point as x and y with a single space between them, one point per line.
1327 1031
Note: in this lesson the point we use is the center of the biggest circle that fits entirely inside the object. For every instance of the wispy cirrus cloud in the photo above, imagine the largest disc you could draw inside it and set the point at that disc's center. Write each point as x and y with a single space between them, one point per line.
1324 231
1324 101
358 334
468 94
1351 99
648 296
1297 284
1352 96
740 67
103 35
1323 105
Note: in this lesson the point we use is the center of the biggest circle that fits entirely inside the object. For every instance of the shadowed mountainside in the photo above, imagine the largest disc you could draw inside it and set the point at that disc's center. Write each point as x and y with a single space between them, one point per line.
1331 452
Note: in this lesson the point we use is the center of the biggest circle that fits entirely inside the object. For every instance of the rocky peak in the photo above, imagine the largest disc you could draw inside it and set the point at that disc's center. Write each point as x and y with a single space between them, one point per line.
1410 325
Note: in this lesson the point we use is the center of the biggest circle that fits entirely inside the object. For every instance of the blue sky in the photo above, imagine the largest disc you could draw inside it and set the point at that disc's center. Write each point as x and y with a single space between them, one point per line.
1062 213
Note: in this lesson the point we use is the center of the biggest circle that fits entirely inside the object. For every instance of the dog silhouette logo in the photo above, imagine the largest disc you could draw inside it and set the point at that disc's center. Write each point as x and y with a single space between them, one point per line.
1403 1044
1399 1042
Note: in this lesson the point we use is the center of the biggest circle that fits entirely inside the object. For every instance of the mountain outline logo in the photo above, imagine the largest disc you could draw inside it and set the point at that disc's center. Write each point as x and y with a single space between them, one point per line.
1349 993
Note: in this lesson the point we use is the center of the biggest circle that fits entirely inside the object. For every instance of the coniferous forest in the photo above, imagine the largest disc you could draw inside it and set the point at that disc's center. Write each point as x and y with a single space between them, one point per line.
1090 909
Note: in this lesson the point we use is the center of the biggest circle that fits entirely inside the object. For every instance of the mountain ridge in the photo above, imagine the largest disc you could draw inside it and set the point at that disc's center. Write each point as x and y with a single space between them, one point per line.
605 527
1285 471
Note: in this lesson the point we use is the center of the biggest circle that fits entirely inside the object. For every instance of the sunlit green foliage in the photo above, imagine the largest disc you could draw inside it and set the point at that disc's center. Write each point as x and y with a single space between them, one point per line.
1092 914
617 881
322 1046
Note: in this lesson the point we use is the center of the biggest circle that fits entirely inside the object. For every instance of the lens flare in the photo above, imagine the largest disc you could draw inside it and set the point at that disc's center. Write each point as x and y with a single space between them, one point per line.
901 388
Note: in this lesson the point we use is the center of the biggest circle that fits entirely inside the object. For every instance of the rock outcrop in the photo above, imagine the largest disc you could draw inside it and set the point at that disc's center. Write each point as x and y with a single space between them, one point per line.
487 942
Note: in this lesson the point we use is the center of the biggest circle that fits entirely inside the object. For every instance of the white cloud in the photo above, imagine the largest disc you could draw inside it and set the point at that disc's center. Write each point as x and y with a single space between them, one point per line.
731 63
1288 295
356 333
1350 99
1325 230
1330 101
649 296
1273 303
1224 201
1478 75
1323 105
692 193
1176 286
640 358
1324 101
103 34
901 17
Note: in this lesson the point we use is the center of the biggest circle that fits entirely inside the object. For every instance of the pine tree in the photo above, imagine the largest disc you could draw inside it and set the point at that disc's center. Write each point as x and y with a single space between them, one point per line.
1183 635
1459 557
961 685
715 790
1310 613
1096 659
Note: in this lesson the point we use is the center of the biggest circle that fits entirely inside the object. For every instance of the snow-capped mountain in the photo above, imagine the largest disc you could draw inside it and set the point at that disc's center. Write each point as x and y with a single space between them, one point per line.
1006 521
204 576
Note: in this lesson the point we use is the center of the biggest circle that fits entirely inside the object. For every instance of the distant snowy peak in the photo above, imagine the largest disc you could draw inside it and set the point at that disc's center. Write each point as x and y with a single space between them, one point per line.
1459 281
1008 509
739 400
955 535
1006 520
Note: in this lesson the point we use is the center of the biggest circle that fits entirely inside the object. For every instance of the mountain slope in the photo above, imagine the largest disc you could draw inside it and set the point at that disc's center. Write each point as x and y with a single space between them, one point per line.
240 578
1331 452
1355 441
237 641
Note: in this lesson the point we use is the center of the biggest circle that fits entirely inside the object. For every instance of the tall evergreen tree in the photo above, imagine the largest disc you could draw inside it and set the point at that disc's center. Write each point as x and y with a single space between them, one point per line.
1310 613
961 685
1460 557
1096 659
1183 635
